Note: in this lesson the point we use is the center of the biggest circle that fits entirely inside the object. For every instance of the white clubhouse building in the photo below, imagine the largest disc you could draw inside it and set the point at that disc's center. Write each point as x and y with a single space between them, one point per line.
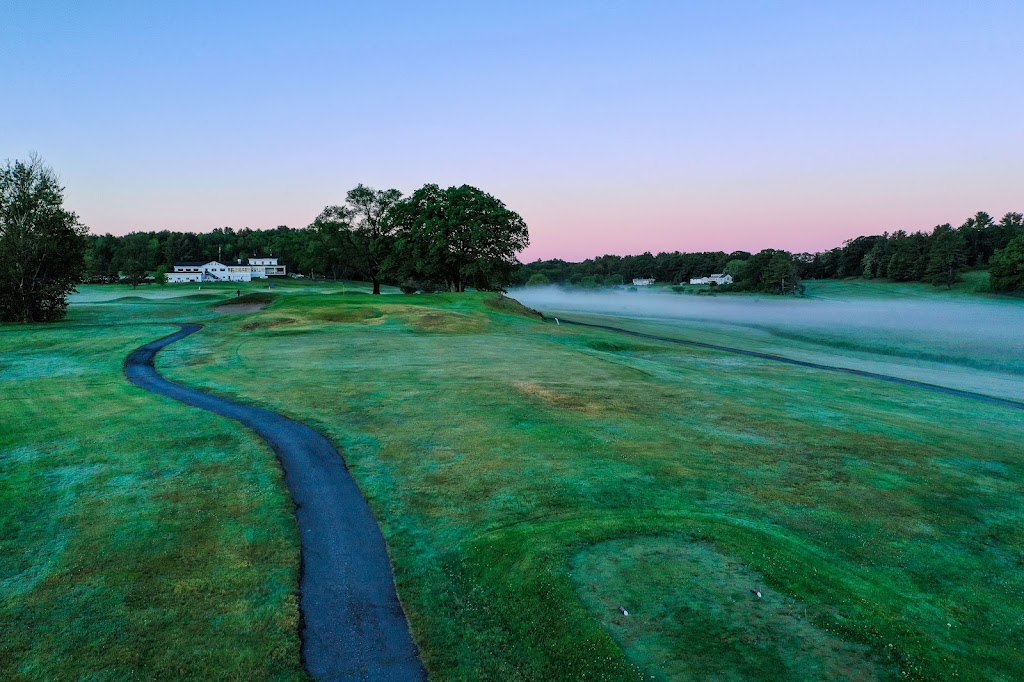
215 271
717 278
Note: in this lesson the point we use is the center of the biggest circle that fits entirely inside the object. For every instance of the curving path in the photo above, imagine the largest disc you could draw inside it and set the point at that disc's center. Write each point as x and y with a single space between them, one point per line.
353 626
1005 402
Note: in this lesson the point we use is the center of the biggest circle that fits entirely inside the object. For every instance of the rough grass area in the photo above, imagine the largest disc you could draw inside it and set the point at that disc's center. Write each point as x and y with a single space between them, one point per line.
526 477
139 538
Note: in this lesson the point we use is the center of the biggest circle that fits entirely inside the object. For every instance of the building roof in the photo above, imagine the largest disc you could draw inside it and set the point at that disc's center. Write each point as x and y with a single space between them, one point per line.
232 263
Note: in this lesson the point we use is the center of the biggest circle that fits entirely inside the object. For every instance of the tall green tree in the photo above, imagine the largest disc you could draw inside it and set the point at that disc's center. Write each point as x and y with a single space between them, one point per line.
134 272
333 249
734 268
780 275
1010 227
372 227
979 233
1007 268
947 257
42 245
460 236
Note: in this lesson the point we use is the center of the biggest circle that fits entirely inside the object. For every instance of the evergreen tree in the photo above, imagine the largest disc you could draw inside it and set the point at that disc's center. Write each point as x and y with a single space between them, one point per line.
947 257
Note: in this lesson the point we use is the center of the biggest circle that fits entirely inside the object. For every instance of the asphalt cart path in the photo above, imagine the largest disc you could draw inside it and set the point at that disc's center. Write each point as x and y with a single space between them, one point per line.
353 626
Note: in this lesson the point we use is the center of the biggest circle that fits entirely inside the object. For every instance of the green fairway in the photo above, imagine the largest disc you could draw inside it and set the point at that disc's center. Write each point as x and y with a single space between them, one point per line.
530 480
140 538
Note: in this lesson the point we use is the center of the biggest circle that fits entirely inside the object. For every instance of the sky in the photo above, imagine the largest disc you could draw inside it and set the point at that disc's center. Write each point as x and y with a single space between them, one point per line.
611 127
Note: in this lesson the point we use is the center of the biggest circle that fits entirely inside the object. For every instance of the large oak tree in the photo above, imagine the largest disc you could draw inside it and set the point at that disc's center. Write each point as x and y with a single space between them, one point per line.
361 228
456 237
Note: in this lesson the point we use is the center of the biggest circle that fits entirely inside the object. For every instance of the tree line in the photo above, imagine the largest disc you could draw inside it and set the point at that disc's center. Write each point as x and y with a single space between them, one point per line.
434 239
938 257
442 239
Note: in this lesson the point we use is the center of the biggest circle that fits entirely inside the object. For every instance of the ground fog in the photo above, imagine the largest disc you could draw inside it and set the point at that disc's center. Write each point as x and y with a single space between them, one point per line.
976 344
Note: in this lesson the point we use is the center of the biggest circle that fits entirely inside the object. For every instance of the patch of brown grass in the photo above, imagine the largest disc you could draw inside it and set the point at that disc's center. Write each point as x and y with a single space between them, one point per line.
351 315
444 321
268 323
555 398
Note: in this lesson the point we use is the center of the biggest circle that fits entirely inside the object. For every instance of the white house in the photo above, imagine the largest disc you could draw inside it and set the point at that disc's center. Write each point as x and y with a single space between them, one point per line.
719 278
266 266
215 271
640 282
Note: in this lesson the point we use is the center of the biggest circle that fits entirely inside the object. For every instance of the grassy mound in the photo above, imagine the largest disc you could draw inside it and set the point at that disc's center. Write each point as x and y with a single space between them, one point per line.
510 305
253 298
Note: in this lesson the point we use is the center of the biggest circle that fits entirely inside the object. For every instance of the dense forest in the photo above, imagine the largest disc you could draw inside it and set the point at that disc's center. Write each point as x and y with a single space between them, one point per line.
330 248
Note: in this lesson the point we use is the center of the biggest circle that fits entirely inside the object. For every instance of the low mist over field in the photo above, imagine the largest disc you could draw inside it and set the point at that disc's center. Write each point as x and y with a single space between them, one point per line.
980 333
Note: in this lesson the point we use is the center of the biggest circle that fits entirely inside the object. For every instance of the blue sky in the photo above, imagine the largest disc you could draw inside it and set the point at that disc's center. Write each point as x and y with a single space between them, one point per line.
611 127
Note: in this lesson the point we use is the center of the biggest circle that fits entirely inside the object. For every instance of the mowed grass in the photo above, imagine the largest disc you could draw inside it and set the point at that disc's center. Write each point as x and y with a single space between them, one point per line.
139 538
531 479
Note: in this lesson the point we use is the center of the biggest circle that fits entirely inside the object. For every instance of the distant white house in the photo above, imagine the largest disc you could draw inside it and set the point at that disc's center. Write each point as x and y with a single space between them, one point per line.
719 278
215 271
639 282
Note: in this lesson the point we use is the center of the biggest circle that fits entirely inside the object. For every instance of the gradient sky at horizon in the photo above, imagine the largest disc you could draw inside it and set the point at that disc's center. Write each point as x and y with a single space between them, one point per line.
612 127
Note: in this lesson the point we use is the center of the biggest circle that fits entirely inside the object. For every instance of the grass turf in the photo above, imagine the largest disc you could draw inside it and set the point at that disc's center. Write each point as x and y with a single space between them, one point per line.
139 538
530 480
506 457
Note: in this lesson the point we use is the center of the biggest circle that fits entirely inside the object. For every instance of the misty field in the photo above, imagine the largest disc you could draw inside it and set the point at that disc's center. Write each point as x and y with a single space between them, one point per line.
534 482
914 331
